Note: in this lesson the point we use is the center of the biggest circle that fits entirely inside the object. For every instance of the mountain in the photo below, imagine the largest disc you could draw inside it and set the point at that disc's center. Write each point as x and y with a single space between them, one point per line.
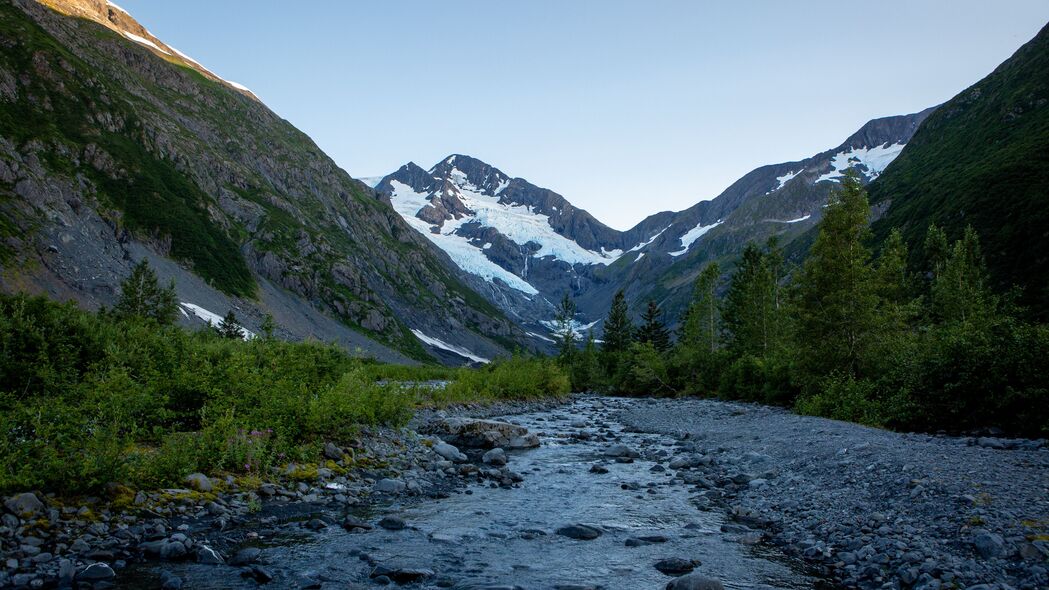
982 159
115 147
530 245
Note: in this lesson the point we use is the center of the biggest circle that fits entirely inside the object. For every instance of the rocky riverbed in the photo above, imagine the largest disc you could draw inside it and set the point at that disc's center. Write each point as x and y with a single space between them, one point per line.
619 493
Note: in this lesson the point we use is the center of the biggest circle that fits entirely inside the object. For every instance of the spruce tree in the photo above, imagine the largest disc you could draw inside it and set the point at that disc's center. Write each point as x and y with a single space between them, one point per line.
565 335
268 328
836 292
229 328
749 311
653 330
618 329
699 331
142 297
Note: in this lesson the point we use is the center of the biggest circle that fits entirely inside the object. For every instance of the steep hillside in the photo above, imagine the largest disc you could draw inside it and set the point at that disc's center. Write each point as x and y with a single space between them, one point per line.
983 159
113 149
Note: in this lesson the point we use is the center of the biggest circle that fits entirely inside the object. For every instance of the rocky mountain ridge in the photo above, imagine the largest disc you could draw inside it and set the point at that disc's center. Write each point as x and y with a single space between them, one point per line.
530 243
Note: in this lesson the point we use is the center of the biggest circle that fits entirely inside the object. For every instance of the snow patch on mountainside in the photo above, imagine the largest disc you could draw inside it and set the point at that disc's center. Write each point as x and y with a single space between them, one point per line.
210 317
522 225
647 242
459 350
874 160
783 180
468 257
579 329
144 41
692 235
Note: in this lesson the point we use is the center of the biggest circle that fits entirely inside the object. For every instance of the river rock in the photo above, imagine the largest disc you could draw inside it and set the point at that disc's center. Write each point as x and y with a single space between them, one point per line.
623 451
389 486
449 452
580 532
331 451
246 556
25 505
989 545
169 581
392 523
209 556
675 566
694 582
401 574
495 457
199 482
96 572
351 524
482 434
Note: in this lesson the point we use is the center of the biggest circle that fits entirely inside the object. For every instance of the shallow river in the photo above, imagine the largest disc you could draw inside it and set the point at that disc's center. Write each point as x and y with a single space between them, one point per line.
504 538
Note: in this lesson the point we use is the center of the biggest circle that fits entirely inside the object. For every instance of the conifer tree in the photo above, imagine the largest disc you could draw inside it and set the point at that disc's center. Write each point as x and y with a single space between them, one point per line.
565 335
268 327
618 334
618 329
229 328
141 296
836 291
749 310
699 331
653 330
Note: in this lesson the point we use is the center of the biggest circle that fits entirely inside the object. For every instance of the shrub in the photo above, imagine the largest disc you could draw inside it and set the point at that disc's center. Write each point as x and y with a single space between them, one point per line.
518 377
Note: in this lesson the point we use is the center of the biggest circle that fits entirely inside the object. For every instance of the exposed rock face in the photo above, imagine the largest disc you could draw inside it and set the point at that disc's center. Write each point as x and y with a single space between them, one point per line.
121 154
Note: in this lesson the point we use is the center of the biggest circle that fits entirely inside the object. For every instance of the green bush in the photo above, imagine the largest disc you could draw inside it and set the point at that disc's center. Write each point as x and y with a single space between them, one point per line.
642 370
844 398
518 377
750 378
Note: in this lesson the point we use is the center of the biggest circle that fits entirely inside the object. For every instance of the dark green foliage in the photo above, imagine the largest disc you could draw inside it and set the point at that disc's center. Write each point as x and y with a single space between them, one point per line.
619 330
565 333
142 297
585 370
228 327
750 311
702 326
268 327
837 302
641 370
959 291
982 159
652 330
518 377
87 399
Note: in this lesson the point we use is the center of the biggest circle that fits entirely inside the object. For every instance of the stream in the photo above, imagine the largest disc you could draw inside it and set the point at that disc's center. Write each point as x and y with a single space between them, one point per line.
487 537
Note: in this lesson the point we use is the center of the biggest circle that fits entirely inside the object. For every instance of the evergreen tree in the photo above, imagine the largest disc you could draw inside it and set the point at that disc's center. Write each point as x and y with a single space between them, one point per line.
699 331
565 335
229 328
653 330
618 334
959 292
586 370
618 329
749 311
894 282
937 250
268 327
142 297
836 292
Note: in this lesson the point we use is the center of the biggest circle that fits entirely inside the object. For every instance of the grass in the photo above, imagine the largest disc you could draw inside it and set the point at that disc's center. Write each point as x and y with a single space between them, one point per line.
87 399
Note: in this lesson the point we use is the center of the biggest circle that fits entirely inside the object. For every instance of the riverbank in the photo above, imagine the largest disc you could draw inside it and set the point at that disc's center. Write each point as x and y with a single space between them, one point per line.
870 508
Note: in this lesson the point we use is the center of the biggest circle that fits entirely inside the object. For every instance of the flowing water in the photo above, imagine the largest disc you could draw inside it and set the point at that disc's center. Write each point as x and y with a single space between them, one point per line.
504 538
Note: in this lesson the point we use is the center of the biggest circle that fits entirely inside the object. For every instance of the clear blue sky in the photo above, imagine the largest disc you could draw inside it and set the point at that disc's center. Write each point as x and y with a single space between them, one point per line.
625 108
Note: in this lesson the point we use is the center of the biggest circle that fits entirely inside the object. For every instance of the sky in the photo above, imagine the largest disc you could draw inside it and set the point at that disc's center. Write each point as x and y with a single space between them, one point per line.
624 107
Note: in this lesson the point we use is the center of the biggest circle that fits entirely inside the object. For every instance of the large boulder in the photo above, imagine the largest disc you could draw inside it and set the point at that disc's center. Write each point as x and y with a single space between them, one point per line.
449 452
25 505
482 434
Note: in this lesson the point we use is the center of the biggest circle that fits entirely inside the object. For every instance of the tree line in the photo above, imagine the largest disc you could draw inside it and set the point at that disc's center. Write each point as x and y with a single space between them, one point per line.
910 340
